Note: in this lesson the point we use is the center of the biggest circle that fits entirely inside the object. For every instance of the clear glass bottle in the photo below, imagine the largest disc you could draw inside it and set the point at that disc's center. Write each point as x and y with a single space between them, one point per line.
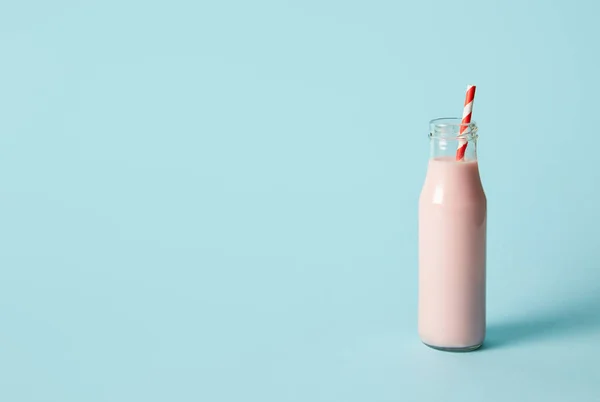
452 242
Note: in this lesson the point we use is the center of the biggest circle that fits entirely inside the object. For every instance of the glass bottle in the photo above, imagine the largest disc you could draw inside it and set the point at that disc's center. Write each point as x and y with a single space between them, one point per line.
452 241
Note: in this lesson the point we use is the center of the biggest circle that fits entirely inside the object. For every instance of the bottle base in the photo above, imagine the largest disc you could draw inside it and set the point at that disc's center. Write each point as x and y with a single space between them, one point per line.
456 350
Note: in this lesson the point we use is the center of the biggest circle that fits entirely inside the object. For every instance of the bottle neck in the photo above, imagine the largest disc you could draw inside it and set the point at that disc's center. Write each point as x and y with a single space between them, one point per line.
450 138
447 148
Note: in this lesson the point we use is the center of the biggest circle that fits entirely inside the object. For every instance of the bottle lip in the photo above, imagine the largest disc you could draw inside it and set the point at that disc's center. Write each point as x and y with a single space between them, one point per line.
450 128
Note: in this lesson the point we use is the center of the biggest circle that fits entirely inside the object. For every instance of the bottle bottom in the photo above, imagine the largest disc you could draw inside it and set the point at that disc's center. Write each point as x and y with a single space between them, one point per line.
456 350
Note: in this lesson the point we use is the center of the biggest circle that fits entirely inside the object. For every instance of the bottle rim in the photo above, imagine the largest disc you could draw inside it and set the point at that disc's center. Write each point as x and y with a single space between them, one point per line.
449 128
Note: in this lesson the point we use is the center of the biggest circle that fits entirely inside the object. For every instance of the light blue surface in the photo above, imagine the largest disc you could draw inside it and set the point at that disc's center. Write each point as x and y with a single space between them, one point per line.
217 201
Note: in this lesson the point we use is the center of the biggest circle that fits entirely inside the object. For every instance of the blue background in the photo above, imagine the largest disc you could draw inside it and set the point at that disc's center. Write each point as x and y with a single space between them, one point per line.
217 201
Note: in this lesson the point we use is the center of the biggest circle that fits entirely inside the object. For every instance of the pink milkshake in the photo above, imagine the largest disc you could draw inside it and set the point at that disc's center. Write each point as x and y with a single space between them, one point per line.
452 243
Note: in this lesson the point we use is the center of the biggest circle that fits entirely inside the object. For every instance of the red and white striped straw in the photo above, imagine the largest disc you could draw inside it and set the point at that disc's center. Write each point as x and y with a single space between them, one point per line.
466 119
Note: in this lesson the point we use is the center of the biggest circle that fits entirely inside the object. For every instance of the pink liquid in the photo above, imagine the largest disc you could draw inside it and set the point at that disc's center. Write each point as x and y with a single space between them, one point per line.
452 239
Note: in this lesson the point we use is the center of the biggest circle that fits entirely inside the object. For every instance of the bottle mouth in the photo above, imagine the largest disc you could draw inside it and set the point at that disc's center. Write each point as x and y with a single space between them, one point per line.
450 128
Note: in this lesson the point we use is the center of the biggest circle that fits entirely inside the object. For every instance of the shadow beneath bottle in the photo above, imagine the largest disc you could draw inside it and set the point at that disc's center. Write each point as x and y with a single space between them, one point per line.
581 316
